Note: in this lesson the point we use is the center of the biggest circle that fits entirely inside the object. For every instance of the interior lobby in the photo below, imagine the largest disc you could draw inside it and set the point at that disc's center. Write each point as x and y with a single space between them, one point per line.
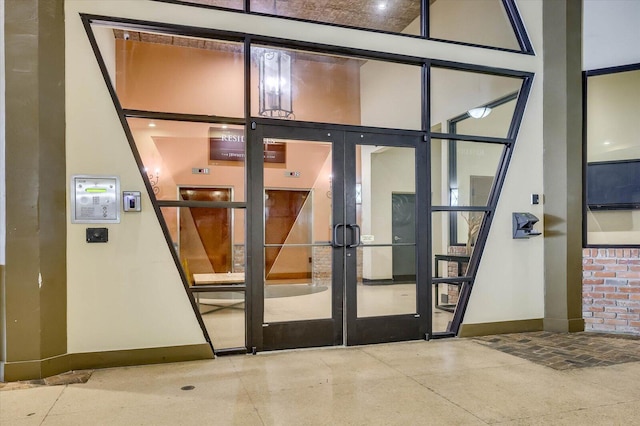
262 203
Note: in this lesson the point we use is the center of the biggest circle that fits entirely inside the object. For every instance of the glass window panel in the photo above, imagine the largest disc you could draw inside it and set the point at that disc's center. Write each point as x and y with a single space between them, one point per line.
386 216
458 97
178 74
297 226
480 22
229 4
445 301
400 16
453 237
293 84
613 158
179 154
210 245
208 241
462 172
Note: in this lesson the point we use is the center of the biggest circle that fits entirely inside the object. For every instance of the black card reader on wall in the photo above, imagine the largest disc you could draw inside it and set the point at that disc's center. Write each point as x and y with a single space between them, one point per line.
97 235
523 225
131 201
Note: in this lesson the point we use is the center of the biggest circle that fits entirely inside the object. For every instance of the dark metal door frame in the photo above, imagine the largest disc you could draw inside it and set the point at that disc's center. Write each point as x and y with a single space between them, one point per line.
326 332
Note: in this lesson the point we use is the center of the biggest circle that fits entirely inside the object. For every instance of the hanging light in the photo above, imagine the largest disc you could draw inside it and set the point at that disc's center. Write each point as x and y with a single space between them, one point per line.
480 112
275 84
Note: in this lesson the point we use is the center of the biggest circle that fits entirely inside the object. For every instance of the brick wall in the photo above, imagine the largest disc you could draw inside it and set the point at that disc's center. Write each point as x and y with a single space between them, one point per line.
611 290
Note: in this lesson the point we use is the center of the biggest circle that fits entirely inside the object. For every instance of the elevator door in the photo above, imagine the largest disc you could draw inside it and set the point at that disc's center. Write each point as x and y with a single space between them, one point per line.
328 278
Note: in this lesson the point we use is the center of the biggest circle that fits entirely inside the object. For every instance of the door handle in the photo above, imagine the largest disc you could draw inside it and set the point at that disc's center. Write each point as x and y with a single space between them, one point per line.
356 228
335 243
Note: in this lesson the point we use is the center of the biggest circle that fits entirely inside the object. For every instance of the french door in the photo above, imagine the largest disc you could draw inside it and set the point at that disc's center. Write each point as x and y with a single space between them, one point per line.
337 231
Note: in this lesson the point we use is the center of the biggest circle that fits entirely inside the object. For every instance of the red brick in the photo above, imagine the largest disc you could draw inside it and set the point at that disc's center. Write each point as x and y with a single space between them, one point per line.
634 303
635 252
616 296
634 282
628 275
634 323
589 314
594 320
593 281
634 296
629 316
605 261
619 268
616 309
634 268
619 253
594 309
592 295
615 321
604 288
611 253
587 301
633 262
603 327
604 274
601 253
627 252
629 289
586 252
593 267
605 302
608 315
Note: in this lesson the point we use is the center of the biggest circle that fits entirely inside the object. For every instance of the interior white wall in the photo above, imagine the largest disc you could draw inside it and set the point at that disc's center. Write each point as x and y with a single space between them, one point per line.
611 34
152 308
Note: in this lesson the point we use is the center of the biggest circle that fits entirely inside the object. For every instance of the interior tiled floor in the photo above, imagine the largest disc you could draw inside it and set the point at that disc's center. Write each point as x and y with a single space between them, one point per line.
223 313
454 381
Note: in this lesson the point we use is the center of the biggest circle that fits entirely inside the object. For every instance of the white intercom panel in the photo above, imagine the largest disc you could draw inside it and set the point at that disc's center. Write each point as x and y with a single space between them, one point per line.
94 199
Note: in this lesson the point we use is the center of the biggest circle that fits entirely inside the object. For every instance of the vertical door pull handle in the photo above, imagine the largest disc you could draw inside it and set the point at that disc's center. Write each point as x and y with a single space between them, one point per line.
335 242
355 234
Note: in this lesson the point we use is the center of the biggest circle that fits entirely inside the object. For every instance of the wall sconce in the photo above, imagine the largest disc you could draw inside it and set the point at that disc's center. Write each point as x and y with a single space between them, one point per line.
154 178
480 112
275 84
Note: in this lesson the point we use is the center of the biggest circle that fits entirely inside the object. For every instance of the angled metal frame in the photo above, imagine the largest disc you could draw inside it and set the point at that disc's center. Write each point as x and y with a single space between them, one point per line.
509 142
253 242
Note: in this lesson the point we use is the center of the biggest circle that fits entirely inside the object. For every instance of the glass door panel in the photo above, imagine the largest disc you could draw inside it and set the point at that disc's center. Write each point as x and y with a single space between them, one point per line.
386 216
297 231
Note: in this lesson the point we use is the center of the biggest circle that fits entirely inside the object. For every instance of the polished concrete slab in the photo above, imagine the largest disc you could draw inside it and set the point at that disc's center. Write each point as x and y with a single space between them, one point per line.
454 381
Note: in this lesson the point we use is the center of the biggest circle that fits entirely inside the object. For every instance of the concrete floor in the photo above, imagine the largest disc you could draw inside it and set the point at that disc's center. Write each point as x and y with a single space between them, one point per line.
454 381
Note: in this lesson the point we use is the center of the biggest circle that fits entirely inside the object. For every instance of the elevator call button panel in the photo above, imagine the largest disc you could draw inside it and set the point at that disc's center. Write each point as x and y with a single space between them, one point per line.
95 199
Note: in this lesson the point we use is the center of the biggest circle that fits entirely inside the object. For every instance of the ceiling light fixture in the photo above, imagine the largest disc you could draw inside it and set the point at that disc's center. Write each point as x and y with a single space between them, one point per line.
480 112
382 6
275 84
152 124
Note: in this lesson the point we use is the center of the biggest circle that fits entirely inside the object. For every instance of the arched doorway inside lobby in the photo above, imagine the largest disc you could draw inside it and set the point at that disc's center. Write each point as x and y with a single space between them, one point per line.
343 233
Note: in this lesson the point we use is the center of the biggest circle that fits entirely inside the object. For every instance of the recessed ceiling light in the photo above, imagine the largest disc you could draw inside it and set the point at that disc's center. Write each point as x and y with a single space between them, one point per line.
152 124
606 143
382 6
224 126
